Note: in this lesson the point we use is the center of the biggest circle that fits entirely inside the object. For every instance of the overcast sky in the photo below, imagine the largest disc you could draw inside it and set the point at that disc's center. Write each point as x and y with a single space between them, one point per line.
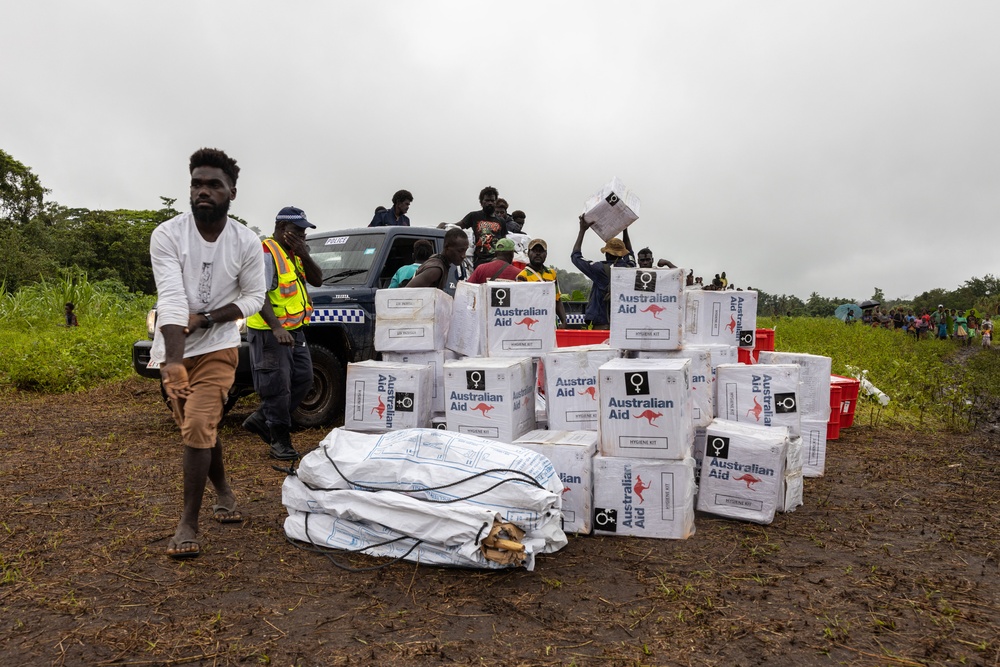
799 146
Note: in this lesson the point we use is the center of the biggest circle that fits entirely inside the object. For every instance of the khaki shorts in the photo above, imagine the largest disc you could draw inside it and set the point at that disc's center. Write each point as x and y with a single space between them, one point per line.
210 376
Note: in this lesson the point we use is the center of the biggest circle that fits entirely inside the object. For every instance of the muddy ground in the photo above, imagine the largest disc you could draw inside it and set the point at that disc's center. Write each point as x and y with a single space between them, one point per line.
893 560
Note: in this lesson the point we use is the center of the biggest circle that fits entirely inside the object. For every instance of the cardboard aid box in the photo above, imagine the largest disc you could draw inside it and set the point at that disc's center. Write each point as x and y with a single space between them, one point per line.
702 380
411 320
435 359
743 472
571 388
762 394
572 455
384 396
646 408
647 307
467 330
520 318
813 448
644 497
814 381
613 208
490 397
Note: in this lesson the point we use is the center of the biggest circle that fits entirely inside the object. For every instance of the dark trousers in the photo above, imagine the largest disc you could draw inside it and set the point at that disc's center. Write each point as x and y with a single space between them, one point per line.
282 375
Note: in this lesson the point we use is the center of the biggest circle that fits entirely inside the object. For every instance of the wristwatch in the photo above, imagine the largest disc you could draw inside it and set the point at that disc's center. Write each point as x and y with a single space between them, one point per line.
208 319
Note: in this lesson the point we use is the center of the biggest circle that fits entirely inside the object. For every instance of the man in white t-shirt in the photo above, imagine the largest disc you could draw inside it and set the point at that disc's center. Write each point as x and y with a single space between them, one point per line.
209 272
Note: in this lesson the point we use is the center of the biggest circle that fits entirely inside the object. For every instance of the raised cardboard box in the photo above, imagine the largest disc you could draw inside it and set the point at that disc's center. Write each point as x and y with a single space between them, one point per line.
613 208
646 408
411 320
647 307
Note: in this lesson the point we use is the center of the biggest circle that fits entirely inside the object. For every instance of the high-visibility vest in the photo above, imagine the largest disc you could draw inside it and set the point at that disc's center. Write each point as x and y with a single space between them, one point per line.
289 300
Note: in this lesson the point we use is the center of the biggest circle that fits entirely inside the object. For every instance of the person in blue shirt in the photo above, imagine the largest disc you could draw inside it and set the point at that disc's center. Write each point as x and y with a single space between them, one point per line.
422 250
616 253
395 216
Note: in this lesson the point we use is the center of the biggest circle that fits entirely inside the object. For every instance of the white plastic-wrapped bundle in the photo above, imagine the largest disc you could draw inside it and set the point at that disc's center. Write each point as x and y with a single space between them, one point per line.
440 487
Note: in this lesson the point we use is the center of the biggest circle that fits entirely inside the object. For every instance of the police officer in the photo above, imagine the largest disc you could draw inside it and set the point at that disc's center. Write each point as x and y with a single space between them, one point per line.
279 356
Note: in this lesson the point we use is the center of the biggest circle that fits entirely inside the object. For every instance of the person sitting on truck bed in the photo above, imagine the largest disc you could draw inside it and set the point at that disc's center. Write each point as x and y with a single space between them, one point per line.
422 250
395 216
434 272
279 355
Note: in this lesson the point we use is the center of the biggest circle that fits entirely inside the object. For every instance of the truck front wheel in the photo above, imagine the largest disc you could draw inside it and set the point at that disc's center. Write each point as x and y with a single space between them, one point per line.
324 404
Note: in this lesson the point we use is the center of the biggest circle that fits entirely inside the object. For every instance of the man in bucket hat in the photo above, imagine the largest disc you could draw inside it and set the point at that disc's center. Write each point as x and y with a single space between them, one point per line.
279 354
616 253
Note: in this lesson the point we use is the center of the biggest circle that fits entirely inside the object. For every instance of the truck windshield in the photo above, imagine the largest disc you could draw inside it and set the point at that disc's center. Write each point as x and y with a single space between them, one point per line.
346 260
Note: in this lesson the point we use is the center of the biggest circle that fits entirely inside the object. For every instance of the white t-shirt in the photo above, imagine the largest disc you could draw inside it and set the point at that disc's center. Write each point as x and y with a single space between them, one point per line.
193 276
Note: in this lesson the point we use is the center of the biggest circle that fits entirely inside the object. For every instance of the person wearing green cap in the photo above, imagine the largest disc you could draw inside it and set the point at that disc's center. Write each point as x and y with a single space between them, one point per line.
501 268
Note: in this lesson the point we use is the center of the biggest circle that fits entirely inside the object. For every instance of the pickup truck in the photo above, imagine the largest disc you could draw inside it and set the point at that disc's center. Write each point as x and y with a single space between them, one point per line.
355 263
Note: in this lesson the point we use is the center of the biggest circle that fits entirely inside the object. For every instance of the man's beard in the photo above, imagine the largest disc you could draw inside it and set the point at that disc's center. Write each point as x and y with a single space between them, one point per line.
489 209
210 215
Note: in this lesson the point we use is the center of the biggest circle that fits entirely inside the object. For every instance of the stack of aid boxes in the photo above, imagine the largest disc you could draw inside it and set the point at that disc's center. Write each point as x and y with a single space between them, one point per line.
395 393
503 327
644 482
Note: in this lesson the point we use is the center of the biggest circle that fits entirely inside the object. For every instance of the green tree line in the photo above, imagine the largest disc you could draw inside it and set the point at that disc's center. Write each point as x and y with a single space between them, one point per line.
44 240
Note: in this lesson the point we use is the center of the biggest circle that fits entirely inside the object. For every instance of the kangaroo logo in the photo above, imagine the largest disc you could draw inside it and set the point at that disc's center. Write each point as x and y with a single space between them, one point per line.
482 407
591 391
639 487
528 322
749 479
756 409
380 408
732 324
649 415
654 309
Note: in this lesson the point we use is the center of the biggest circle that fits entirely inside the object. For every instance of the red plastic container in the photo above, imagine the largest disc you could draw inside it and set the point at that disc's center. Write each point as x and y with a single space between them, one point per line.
849 388
571 337
833 426
764 340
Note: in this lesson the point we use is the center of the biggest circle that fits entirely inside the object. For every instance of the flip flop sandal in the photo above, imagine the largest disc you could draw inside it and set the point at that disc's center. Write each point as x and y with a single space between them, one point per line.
183 555
224 514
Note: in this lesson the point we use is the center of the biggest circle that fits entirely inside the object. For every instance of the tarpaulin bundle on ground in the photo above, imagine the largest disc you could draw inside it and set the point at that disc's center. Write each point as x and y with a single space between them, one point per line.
465 499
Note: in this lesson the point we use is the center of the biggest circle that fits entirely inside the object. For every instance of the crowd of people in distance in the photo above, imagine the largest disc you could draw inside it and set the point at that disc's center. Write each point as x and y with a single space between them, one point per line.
942 323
